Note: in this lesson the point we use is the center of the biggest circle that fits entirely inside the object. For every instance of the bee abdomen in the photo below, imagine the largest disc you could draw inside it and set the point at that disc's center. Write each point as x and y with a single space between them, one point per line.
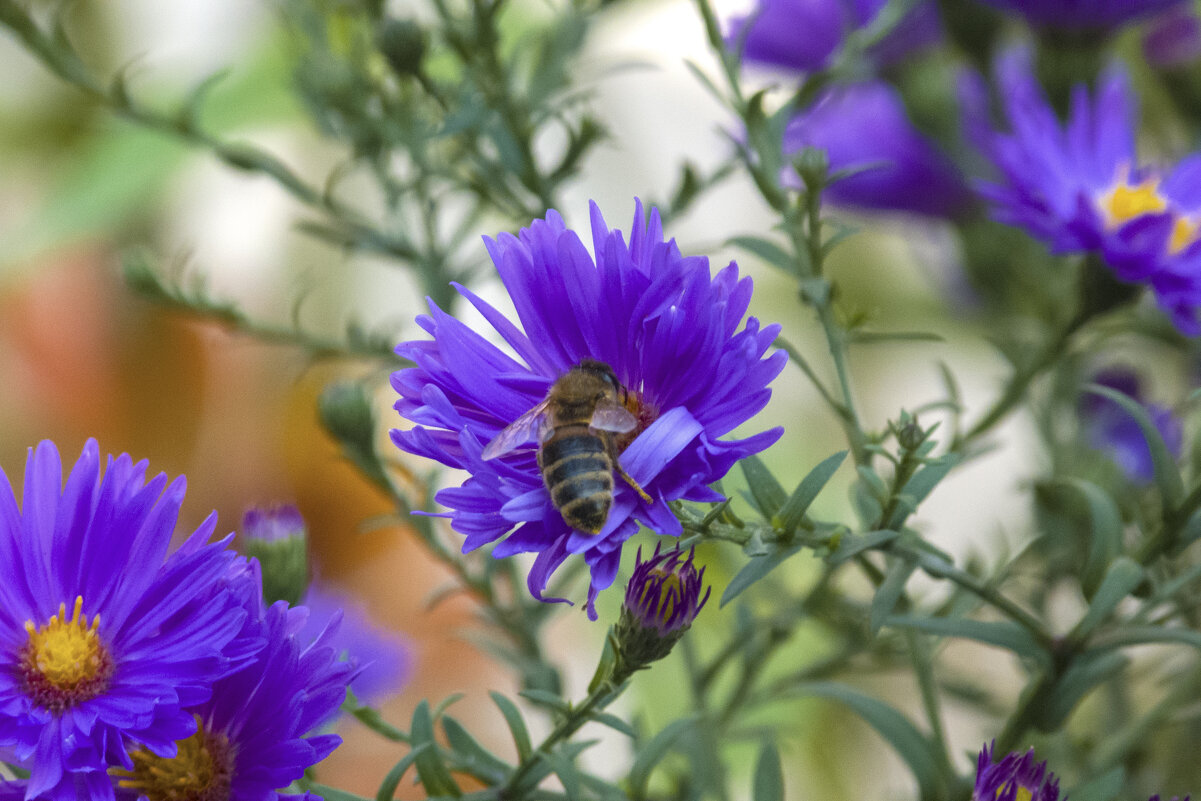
580 479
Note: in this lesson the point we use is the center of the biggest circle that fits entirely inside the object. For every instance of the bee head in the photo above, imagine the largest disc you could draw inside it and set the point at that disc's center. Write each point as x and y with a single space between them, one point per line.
602 371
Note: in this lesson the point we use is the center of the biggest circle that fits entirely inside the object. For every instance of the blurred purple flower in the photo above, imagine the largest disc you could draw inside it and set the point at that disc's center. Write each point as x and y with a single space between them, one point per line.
1015 778
865 125
380 657
667 328
1173 39
805 35
1077 187
1088 15
1109 428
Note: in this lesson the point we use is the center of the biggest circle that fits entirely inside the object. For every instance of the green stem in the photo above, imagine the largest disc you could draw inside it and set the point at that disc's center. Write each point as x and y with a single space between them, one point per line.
519 784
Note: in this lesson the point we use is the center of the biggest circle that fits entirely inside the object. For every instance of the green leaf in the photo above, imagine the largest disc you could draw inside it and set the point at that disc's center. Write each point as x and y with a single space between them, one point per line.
920 486
769 776
567 773
615 723
767 250
521 735
1120 580
1003 633
1086 672
547 699
873 483
766 491
1105 532
890 591
853 544
756 568
1167 474
473 757
432 771
387 788
912 746
798 502
653 752
886 337
1144 635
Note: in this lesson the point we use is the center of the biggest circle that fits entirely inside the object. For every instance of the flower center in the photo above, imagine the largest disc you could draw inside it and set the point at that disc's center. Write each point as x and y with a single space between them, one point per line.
65 662
1023 793
643 410
201 770
1125 202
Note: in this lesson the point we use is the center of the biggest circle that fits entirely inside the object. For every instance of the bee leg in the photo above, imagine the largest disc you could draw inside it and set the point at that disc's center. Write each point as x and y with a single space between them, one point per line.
621 472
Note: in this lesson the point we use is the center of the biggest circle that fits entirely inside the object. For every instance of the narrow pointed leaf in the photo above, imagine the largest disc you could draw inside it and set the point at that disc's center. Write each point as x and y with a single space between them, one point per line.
798 502
765 490
1120 580
769 776
434 775
853 544
756 568
890 591
653 752
1003 633
477 760
521 735
912 746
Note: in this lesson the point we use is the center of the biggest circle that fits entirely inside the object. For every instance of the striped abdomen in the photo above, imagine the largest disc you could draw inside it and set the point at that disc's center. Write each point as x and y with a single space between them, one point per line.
577 471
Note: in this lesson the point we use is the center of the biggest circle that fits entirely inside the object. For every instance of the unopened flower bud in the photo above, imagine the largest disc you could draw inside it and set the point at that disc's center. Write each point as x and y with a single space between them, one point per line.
403 43
1016 776
813 165
345 411
662 599
276 536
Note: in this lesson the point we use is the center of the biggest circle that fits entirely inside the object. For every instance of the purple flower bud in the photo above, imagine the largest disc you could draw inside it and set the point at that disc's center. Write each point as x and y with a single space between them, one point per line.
662 599
276 536
1014 778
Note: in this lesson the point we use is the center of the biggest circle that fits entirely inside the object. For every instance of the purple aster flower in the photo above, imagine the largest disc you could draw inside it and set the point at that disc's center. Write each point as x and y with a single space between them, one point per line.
1014 777
380 657
1110 429
669 333
106 637
865 126
805 35
250 736
1087 15
1078 188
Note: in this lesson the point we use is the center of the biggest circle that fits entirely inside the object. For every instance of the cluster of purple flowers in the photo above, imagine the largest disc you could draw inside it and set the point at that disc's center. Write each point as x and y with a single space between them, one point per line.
1076 186
131 670
1017 777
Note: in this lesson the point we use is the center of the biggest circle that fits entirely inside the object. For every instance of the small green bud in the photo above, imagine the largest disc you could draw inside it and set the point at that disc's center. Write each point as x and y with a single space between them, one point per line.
813 165
345 411
403 43
277 538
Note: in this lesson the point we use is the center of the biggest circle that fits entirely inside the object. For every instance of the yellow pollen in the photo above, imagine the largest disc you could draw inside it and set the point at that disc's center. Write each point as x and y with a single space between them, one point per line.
1126 202
66 653
1023 793
670 590
1184 233
201 770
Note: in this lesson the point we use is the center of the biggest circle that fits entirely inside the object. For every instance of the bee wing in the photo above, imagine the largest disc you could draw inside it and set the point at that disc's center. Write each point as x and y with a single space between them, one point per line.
519 432
612 416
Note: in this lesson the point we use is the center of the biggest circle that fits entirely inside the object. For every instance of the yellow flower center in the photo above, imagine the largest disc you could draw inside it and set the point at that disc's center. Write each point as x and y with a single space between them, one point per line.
65 662
1125 202
201 770
1023 793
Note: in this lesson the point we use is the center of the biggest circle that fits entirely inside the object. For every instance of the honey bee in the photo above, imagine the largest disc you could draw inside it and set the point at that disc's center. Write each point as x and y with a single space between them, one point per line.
575 428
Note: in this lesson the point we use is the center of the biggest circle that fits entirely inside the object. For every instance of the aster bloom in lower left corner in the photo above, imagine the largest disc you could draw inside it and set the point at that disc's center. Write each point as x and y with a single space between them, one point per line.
255 735
106 635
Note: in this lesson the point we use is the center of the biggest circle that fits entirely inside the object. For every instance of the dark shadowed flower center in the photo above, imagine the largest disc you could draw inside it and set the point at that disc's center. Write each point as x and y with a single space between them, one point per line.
202 770
65 662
